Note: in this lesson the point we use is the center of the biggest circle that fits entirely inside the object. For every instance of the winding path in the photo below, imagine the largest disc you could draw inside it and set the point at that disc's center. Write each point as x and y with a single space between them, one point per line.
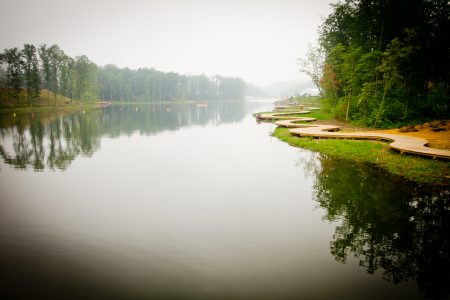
278 114
278 107
402 143
286 116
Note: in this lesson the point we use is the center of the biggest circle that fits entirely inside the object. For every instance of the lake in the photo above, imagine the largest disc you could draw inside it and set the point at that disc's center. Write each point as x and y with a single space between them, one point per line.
198 201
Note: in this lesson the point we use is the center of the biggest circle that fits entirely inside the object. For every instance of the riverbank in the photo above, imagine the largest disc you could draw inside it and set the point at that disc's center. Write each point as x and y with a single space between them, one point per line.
414 168
47 102
38 108
411 167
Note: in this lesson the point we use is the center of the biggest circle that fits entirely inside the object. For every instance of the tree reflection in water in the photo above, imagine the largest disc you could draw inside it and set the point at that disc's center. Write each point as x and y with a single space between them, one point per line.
386 223
55 140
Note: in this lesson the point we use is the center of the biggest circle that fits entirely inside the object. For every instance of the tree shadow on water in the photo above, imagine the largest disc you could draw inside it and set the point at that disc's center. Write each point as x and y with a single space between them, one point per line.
388 224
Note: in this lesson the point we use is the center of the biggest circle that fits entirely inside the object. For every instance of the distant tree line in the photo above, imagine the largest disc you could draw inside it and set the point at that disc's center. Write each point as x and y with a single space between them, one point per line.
146 84
383 63
48 67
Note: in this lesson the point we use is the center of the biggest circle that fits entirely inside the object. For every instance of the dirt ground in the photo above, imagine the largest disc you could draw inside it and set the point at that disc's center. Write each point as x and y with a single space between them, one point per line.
437 132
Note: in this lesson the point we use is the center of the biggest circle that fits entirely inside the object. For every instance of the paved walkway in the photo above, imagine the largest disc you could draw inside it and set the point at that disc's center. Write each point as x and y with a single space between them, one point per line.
277 107
402 143
289 115
285 116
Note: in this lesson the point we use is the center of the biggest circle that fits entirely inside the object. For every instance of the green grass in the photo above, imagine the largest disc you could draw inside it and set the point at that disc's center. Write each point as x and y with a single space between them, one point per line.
414 168
45 103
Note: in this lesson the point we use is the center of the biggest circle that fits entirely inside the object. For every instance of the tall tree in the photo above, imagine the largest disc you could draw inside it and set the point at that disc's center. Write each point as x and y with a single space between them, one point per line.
55 57
313 65
85 72
14 70
387 61
79 78
66 65
3 82
31 72
46 66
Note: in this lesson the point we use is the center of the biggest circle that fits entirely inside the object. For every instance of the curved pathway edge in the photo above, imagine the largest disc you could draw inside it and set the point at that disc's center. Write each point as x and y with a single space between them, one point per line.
402 143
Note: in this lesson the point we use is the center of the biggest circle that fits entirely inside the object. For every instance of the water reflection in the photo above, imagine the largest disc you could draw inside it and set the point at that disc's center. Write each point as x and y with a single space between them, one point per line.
397 228
204 212
55 140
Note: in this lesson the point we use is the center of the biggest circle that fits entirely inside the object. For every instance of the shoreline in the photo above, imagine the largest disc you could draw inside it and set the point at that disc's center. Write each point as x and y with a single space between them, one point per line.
418 169
97 104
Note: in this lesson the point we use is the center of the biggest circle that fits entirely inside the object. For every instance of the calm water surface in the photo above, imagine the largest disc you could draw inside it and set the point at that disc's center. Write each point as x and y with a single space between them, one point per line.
187 201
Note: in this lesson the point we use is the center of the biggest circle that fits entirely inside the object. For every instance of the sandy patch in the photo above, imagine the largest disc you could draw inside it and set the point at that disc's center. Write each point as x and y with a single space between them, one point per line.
438 136
437 132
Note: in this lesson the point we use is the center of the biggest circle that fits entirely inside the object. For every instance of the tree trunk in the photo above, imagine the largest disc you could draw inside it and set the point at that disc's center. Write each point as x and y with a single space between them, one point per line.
348 104
350 93
386 86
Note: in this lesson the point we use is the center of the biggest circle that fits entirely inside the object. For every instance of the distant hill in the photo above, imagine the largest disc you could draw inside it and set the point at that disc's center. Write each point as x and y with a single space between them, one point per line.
288 88
254 91
282 89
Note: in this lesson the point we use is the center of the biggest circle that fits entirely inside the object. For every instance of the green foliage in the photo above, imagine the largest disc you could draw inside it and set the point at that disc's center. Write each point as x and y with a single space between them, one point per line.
313 65
13 58
45 62
55 55
386 62
81 79
304 99
31 73
145 84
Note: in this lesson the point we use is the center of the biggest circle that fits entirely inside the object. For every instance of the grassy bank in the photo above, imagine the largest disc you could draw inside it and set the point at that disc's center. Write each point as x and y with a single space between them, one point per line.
47 101
414 168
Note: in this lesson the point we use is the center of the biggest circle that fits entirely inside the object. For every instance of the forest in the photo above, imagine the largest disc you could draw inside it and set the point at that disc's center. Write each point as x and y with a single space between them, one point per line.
34 68
383 63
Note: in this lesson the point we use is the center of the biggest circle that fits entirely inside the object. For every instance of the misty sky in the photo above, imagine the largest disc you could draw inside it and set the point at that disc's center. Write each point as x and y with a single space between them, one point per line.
256 40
